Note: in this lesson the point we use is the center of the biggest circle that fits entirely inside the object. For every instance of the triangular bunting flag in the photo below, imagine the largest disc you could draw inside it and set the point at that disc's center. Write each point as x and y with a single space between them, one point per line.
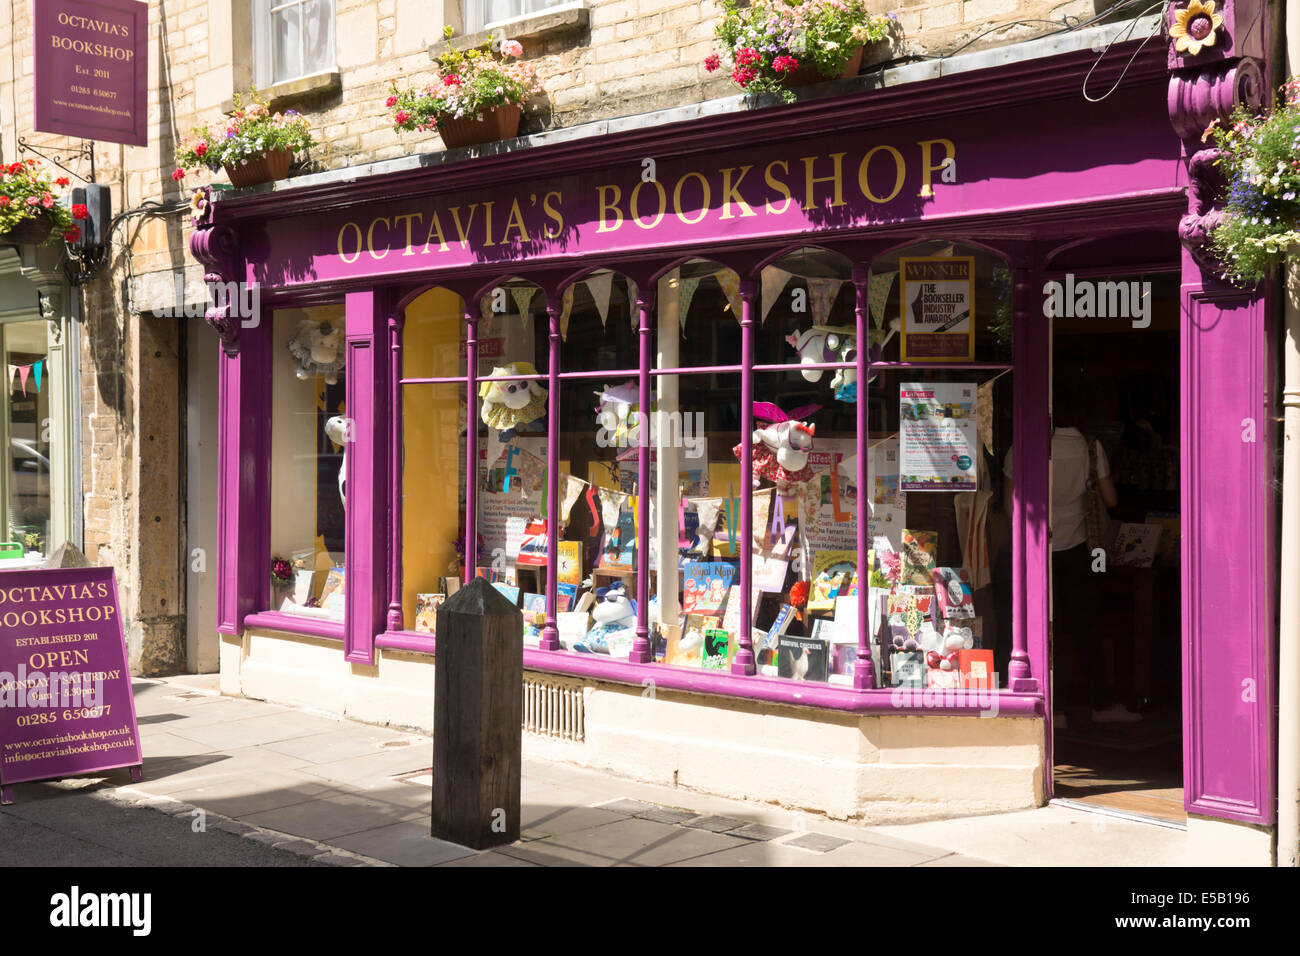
566 303
599 286
23 372
730 283
774 281
685 292
36 370
823 293
878 288
523 295
13 370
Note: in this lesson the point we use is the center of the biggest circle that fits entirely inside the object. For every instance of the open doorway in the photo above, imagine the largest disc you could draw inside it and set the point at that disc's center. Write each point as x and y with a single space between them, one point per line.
1117 617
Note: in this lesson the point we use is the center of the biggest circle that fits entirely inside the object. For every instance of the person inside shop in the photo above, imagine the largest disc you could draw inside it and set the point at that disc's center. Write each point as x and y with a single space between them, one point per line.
1079 658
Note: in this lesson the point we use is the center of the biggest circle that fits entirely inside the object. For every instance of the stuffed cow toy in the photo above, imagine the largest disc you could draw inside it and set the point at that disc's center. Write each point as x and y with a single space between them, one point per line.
781 447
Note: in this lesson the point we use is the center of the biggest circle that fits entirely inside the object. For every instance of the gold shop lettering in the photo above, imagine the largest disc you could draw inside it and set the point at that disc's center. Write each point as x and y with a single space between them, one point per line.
878 175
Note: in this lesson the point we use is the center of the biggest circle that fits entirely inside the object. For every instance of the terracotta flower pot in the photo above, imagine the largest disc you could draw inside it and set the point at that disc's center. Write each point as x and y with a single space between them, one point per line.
498 123
266 168
808 74
31 231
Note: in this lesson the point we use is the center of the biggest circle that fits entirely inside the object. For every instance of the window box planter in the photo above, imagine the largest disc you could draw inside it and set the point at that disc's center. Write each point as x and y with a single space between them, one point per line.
33 231
266 168
497 123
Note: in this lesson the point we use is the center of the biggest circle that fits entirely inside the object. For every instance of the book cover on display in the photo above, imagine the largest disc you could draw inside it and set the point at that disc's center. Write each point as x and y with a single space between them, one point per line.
684 646
570 567
1135 545
426 612
918 556
907 669
534 604
705 586
765 648
510 592
619 552
803 658
976 667
715 651
952 591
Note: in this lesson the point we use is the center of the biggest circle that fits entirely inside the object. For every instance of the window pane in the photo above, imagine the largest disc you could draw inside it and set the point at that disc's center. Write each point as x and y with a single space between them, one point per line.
26 410
707 304
318 36
309 435
433 456
495 10
286 43
938 292
944 553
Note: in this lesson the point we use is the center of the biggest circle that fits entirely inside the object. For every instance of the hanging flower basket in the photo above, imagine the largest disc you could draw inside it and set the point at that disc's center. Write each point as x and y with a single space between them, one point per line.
497 123
30 232
266 168
477 98
809 74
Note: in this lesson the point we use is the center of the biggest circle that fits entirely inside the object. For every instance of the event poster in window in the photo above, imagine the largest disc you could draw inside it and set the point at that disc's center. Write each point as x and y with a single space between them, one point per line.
937 300
938 429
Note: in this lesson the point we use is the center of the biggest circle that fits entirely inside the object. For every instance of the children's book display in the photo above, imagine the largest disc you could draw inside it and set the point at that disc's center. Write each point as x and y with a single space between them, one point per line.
1136 544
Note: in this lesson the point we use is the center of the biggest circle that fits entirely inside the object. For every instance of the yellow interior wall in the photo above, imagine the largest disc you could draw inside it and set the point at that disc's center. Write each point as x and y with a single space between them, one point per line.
431 471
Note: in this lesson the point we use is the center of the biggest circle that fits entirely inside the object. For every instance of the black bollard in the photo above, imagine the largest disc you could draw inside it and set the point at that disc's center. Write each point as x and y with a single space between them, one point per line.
477 718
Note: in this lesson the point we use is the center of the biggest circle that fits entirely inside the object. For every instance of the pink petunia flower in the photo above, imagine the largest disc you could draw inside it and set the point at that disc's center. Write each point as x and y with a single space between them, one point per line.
712 62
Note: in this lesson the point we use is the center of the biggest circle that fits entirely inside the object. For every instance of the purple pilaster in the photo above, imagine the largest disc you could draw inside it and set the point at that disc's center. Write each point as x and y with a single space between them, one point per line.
642 651
365 597
1032 441
471 440
863 672
395 619
550 639
744 662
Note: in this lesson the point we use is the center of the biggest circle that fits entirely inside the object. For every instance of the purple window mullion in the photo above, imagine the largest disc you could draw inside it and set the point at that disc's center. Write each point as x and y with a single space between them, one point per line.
395 452
744 662
364 599
864 677
550 639
471 441
642 651
1032 442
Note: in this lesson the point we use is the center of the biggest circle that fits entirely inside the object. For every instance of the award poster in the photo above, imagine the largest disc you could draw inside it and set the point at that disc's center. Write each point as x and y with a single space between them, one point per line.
937 300
937 436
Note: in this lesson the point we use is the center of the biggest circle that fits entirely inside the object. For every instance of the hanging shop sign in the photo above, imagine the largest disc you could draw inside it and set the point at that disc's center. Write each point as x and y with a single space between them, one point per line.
937 300
937 436
92 69
65 687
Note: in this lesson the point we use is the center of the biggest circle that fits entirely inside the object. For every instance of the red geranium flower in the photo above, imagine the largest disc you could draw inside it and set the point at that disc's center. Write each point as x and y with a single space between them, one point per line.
743 75
47 200
391 102
712 62
79 211
451 79
401 117
201 148
73 234
747 55
785 64
178 175
61 181
5 202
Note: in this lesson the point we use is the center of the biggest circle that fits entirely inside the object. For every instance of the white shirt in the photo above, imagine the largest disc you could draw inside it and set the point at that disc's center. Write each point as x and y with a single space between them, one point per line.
1069 482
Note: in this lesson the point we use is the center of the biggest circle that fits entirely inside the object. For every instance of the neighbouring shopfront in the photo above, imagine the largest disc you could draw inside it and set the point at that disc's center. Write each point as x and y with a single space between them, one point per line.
721 401
40 481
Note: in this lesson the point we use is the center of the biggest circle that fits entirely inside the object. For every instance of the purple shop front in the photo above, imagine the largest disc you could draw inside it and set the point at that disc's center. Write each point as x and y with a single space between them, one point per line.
672 261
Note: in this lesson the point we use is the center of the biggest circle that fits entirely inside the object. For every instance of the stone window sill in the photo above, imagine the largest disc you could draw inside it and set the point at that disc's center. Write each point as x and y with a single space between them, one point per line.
278 96
546 25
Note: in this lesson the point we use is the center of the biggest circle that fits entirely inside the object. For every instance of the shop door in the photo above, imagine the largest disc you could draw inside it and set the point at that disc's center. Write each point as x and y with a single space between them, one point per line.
1117 611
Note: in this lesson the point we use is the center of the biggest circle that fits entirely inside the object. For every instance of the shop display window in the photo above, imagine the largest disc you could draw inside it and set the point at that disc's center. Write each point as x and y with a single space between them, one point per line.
310 435
26 431
934 583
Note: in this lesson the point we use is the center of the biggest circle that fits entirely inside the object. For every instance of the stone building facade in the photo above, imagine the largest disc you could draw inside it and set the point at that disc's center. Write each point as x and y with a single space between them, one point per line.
147 377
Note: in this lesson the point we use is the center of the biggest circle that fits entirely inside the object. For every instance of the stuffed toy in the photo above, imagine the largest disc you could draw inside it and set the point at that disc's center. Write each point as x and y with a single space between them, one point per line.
336 429
781 447
614 617
508 405
829 343
318 349
614 413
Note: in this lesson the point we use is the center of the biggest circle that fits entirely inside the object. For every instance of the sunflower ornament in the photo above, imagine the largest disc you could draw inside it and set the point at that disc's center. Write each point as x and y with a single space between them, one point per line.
1195 27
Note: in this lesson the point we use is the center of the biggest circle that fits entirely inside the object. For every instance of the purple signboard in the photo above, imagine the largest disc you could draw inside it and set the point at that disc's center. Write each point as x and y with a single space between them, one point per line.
65 688
92 69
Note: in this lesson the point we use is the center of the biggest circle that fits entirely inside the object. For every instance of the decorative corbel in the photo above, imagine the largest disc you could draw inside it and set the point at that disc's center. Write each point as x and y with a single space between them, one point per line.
217 248
1216 63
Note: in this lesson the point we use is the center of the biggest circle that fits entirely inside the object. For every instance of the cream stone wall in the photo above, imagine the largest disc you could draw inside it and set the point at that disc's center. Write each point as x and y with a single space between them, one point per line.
633 56
876 768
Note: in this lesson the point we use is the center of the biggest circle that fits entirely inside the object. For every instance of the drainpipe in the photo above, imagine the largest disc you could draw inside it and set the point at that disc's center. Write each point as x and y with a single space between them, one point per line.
1288 730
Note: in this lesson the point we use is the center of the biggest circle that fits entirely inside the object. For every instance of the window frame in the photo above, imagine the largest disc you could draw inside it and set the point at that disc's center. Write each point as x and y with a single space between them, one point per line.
263 60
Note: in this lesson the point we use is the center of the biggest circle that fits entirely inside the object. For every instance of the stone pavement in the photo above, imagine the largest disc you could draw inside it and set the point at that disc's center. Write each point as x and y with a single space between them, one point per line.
335 791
